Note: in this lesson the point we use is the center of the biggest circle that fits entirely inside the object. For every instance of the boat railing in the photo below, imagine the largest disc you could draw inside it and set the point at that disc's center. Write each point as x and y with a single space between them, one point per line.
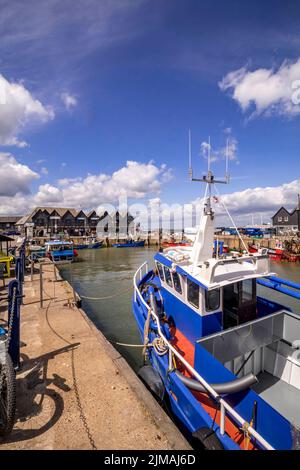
281 285
224 406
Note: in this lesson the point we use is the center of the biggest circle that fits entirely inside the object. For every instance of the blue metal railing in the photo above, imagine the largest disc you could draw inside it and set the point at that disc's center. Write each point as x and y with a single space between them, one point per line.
14 302
278 284
15 293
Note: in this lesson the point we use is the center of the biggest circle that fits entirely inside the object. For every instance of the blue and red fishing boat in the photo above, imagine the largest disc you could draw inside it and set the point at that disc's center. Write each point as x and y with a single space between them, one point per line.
60 251
226 358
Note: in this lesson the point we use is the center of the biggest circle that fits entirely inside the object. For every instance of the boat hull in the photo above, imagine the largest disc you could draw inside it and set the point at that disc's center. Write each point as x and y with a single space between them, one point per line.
94 246
129 245
183 403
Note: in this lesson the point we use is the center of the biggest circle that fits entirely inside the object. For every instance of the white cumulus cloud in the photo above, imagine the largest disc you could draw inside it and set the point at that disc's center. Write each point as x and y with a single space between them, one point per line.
258 201
266 91
47 194
18 108
68 100
134 180
14 176
230 149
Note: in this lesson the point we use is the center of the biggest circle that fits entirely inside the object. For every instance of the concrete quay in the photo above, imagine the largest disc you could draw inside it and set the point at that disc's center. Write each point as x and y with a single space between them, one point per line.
74 390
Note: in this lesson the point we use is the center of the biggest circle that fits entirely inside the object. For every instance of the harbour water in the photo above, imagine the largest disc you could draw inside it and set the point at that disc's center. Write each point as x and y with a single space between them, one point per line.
105 276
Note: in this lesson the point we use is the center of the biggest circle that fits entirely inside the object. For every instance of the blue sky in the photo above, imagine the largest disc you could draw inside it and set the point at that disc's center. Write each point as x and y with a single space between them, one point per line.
139 74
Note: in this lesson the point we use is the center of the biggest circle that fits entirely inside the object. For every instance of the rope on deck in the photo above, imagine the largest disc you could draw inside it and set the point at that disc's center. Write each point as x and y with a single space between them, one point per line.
158 344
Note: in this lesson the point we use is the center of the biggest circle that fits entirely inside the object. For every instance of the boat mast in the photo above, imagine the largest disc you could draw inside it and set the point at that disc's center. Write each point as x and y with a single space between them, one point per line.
203 244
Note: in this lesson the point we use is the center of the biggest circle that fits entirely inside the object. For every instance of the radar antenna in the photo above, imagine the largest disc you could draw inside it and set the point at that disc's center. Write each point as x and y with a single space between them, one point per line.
209 178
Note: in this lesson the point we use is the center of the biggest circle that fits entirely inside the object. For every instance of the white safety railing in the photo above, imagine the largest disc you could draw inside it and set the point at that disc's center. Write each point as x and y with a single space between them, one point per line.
224 406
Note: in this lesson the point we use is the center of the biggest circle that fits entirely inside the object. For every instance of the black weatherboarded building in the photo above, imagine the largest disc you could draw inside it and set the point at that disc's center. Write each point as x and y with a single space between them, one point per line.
285 221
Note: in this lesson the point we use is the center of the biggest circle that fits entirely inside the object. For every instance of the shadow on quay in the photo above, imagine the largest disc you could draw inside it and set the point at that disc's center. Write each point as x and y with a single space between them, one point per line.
38 401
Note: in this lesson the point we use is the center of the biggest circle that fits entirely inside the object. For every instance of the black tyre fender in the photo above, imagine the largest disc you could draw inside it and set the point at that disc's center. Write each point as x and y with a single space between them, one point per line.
209 439
7 396
153 381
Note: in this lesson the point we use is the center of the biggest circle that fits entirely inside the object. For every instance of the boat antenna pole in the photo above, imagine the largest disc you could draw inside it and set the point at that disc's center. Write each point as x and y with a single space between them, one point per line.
190 157
227 177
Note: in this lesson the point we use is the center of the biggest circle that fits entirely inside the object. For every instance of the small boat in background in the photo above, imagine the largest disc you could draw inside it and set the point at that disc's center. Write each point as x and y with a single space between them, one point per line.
129 244
91 243
81 246
172 244
277 252
94 244
58 251
253 248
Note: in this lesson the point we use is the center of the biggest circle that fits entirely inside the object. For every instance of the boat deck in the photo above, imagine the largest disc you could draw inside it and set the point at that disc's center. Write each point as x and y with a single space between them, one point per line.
280 395
187 350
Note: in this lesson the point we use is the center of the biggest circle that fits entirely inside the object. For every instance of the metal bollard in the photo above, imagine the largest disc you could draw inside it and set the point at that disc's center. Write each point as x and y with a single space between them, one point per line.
31 268
41 285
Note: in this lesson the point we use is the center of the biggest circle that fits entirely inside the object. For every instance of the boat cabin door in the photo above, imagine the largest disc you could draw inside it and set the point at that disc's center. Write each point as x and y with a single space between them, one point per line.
239 303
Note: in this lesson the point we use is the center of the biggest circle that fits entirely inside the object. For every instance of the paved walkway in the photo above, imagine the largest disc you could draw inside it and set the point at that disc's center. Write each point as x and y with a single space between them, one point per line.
74 390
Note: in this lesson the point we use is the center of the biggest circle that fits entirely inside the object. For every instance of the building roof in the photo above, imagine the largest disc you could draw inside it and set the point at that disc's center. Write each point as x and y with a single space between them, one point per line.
5 238
61 211
288 212
9 218
24 219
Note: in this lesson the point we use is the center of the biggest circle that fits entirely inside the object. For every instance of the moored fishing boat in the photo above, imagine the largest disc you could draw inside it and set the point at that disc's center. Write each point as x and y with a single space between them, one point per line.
60 251
129 244
172 244
90 243
94 244
80 246
227 358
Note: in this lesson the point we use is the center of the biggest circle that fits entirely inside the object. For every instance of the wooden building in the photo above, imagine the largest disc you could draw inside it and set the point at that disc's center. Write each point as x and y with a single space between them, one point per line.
285 221
49 221
8 223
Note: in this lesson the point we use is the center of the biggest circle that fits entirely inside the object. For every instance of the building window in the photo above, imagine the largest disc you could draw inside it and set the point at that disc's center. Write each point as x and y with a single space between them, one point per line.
279 219
212 300
168 276
193 293
286 219
177 282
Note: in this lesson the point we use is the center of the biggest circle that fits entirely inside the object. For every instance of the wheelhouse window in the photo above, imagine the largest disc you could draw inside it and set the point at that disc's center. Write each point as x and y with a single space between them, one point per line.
239 303
248 291
168 276
193 293
177 282
212 300
160 271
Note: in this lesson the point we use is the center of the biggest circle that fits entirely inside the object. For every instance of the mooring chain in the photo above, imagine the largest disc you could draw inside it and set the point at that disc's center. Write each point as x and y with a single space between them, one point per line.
11 319
75 386
81 412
